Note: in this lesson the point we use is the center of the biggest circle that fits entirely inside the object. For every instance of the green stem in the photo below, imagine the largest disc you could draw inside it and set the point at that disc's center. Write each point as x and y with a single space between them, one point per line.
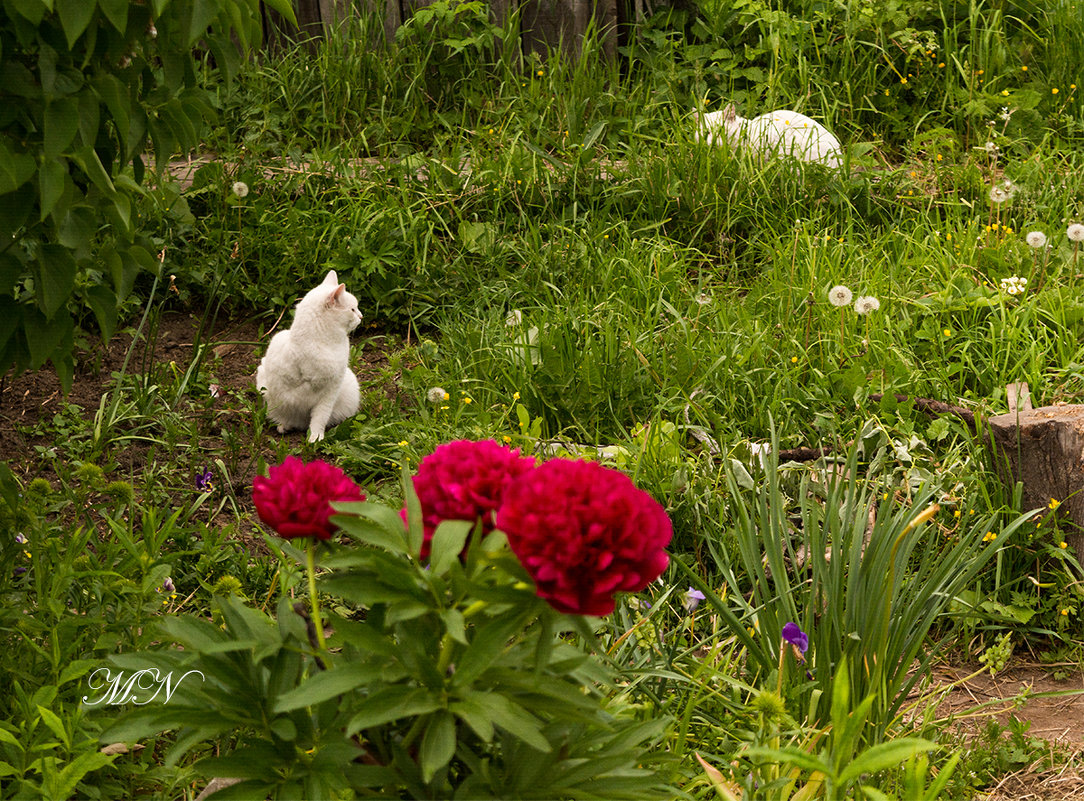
313 600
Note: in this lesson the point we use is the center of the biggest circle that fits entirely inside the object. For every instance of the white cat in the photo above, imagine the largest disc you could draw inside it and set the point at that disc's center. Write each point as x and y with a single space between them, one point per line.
778 133
305 375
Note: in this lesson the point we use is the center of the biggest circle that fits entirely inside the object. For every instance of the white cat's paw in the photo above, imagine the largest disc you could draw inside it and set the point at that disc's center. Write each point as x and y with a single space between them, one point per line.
315 435
281 429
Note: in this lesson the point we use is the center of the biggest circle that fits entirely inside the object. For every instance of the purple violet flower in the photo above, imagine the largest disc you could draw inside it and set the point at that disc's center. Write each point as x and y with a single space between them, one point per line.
798 639
692 599
203 481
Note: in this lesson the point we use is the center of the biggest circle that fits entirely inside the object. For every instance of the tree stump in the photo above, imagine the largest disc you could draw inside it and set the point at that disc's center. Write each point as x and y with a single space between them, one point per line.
1044 450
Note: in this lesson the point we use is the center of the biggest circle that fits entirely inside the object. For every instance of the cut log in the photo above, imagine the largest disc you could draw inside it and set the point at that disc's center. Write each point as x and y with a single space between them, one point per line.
1044 450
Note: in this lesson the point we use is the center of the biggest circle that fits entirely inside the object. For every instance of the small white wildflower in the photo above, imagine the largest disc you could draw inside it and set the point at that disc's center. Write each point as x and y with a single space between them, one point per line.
436 395
703 299
866 304
840 296
991 149
240 188
213 390
1005 114
1036 239
1075 232
1013 285
515 317
998 194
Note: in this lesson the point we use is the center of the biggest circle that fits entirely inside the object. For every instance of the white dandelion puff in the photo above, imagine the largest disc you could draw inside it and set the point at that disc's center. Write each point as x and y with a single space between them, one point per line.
866 304
999 194
436 395
1075 232
515 317
240 189
703 299
1036 239
840 296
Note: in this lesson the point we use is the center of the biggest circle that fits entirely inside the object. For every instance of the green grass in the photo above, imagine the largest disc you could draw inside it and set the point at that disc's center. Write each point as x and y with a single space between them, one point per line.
547 243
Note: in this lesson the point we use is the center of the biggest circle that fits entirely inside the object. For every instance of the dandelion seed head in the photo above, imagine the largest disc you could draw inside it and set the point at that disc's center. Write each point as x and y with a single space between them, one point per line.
240 189
436 395
840 296
1075 232
998 194
866 304
1036 239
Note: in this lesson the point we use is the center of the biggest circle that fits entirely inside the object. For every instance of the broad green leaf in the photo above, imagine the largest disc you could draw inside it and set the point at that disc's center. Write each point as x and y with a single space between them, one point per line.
52 177
103 303
55 278
257 760
203 13
392 704
326 684
884 756
514 719
77 669
61 123
284 7
438 744
74 17
75 771
32 10
372 524
447 544
117 100
55 724
116 11
15 169
77 229
789 756
88 159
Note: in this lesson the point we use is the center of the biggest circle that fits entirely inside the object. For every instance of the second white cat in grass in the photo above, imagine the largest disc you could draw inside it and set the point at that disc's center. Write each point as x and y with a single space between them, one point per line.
305 375
777 133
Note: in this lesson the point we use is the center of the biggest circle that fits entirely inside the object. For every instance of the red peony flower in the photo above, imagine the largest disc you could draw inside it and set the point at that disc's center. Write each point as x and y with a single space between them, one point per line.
465 480
584 532
295 498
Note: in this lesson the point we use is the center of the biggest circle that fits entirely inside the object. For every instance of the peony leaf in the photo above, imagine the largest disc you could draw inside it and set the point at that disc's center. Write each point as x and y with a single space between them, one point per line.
327 684
391 704
448 542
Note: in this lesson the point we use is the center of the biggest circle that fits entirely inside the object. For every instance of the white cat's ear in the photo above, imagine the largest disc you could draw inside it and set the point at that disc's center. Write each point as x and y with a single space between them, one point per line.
337 293
331 278
730 113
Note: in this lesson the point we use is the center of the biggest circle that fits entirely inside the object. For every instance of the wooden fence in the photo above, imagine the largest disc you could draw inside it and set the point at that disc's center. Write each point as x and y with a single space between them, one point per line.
544 24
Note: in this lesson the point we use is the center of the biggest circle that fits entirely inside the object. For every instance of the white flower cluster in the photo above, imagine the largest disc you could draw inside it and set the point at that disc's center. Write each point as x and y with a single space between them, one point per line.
1014 285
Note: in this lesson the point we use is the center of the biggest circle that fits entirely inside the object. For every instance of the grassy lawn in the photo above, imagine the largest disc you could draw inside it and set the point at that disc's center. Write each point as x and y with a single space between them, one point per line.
546 257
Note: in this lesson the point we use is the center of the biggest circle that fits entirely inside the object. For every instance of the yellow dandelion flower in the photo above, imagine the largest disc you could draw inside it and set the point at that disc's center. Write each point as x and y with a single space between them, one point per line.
1004 92
1072 86
506 438
1054 504
446 396
1024 68
467 400
941 66
947 332
515 396
913 174
956 513
540 73
937 157
980 72
1063 545
403 443
793 359
1054 90
491 130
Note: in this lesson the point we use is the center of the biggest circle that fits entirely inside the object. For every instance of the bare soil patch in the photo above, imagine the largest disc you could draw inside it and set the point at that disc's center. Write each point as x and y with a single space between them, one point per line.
1053 707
